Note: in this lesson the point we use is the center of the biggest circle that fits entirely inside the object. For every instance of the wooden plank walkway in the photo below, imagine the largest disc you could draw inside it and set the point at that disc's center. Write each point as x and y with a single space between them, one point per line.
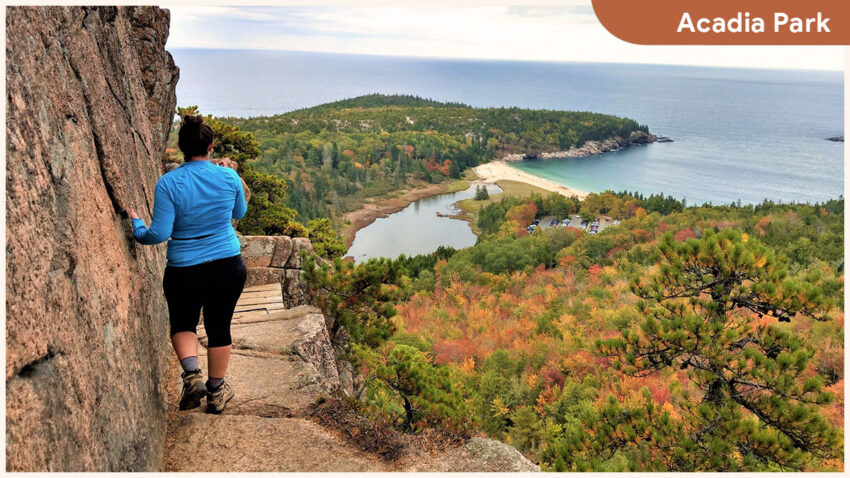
259 301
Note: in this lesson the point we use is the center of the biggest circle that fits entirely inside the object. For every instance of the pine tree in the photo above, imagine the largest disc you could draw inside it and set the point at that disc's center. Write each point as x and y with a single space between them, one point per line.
326 241
357 298
427 392
712 310
481 193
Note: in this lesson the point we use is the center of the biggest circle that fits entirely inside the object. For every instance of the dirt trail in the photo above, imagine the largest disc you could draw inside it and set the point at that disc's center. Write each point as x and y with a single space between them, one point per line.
282 363
264 428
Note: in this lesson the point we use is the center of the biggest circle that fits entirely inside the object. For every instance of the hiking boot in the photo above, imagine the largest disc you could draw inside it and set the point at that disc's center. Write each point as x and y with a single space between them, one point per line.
218 399
193 390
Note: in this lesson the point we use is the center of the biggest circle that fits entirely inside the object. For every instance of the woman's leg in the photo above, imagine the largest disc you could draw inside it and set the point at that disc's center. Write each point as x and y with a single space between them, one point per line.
180 285
185 344
220 301
184 310
218 360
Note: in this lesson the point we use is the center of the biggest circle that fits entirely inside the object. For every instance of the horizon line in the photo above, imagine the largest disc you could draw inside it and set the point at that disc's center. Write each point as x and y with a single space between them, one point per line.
520 60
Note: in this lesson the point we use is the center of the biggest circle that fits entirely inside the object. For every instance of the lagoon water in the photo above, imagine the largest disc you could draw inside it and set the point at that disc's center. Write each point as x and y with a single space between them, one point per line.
417 229
739 133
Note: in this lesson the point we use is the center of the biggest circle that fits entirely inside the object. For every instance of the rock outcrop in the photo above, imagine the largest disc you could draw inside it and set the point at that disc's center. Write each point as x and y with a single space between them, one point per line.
590 148
277 259
90 98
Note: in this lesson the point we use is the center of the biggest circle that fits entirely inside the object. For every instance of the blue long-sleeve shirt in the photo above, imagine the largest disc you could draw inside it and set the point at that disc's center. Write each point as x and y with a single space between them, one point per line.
193 205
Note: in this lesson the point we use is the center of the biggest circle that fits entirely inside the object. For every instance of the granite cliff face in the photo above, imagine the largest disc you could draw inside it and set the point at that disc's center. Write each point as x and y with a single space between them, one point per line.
90 94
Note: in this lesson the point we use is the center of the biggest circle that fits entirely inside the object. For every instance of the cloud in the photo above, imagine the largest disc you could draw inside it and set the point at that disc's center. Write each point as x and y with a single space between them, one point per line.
546 33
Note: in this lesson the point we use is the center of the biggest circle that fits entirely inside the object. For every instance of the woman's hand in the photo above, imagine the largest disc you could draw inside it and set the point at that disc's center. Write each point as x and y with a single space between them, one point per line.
226 162
132 214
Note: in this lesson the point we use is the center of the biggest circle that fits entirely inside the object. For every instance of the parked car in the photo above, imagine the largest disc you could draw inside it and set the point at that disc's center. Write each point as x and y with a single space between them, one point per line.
554 223
535 222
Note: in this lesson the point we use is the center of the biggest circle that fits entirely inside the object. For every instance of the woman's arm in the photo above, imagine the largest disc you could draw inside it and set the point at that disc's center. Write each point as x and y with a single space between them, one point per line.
162 222
240 207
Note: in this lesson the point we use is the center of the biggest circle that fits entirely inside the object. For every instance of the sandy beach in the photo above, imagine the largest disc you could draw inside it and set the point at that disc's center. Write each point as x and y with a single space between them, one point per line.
498 170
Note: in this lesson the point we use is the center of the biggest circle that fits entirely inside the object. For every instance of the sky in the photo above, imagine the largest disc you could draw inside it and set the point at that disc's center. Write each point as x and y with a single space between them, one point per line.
544 33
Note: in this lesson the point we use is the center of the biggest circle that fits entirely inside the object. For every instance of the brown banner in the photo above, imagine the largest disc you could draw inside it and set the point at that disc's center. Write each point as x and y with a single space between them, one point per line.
727 22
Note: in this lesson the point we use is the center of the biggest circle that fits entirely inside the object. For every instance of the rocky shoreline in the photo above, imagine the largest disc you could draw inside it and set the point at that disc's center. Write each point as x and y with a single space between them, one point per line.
592 147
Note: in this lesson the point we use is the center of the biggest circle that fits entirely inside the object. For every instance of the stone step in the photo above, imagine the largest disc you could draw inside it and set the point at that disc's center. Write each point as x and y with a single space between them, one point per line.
299 333
258 301
278 314
227 443
263 316
260 288
257 311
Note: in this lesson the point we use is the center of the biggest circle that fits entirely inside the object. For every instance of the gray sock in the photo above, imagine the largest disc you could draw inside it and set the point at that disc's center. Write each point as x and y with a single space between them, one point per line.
213 384
190 364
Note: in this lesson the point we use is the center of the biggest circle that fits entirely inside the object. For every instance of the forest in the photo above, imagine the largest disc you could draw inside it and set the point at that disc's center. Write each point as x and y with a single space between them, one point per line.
333 156
704 338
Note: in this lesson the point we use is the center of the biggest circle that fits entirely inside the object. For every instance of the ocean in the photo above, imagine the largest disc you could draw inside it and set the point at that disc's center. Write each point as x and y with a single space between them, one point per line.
739 134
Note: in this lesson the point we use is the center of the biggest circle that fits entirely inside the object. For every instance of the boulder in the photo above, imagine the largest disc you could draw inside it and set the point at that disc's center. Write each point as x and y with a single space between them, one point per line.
264 275
294 288
90 102
282 251
257 251
299 244
271 251
476 455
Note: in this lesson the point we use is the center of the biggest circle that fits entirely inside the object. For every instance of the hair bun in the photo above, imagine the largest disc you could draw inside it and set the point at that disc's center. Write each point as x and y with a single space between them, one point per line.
193 119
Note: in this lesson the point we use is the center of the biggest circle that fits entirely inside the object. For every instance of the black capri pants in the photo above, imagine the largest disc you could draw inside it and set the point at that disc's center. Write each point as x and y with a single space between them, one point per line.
214 286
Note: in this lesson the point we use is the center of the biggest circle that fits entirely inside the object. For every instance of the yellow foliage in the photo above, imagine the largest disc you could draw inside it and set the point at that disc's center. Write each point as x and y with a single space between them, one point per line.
499 408
468 365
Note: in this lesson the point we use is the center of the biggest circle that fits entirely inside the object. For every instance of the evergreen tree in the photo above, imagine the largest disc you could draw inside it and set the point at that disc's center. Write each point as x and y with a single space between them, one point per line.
481 193
427 392
711 310
267 215
326 242
357 298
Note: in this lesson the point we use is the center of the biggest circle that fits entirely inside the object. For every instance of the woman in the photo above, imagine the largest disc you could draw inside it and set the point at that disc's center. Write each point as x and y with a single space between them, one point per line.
193 205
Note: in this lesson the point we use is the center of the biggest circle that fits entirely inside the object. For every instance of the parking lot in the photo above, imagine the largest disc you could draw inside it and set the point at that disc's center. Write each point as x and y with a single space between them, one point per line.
576 222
